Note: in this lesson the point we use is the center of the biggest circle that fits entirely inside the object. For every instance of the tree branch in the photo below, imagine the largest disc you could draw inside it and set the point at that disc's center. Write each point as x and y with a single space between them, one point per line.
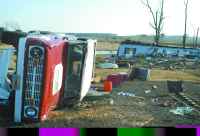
150 9
158 17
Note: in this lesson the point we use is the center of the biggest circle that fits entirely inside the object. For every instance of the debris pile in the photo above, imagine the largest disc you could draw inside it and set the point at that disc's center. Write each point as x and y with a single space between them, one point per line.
140 73
182 110
117 79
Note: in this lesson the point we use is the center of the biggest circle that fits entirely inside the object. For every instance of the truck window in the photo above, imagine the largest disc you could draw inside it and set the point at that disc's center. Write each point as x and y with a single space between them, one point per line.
130 52
75 63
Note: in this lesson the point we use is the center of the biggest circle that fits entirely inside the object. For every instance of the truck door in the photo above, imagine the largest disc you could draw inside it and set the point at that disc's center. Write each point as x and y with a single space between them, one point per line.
75 63
88 68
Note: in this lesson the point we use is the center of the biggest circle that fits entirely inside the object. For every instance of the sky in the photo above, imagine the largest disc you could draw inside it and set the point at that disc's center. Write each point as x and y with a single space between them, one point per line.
122 17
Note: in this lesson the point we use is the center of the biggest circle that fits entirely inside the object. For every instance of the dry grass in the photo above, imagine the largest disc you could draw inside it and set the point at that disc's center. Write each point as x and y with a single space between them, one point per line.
160 75
3 46
107 46
105 72
156 75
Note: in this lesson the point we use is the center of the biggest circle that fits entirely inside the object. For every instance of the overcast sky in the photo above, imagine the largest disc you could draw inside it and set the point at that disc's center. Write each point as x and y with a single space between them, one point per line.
124 17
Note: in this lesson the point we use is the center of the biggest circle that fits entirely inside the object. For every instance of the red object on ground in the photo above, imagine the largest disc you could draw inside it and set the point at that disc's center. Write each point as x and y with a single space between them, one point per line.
115 79
124 76
107 86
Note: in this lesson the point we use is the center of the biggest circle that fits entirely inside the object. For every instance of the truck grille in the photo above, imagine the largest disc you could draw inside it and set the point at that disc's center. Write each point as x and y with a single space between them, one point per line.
33 79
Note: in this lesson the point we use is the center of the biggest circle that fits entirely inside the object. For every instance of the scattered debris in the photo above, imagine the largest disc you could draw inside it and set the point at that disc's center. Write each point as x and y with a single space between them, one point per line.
171 67
111 101
117 79
96 93
107 65
175 86
181 110
147 91
154 100
187 101
124 76
140 73
166 103
154 87
126 94
130 94
163 102
148 58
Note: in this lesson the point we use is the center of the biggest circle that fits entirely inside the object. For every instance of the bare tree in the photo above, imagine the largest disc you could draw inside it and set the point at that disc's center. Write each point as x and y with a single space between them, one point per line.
185 27
158 17
196 38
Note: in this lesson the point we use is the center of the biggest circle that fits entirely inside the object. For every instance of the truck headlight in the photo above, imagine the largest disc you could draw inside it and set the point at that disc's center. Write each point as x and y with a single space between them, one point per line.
36 52
31 111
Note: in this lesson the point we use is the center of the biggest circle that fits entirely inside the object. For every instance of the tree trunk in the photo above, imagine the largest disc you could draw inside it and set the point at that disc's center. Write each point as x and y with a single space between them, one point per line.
157 38
157 16
185 31
196 40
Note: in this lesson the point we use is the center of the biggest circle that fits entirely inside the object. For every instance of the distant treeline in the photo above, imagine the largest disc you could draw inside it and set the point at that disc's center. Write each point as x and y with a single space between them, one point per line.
136 42
92 34
99 36
139 39
11 38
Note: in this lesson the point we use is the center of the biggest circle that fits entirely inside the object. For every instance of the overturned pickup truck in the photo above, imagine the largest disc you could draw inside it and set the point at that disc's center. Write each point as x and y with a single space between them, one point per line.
50 72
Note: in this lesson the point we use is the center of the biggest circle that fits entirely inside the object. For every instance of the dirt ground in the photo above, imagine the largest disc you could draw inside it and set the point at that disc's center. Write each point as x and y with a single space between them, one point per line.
124 111
113 110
